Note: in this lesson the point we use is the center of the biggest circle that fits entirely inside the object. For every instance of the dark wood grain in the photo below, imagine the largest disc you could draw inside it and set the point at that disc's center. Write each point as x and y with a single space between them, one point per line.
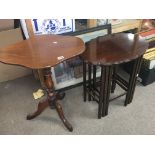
114 49
42 51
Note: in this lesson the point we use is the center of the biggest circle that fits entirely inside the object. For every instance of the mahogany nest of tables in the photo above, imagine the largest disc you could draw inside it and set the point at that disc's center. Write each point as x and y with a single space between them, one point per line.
107 52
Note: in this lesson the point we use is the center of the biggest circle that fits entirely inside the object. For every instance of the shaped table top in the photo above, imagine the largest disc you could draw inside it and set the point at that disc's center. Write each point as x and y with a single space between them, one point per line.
114 49
42 51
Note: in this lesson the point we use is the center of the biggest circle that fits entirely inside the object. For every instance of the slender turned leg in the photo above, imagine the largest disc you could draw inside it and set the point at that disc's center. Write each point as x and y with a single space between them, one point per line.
132 81
100 105
51 100
139 62
106 89
89 82
94 80
109 77
84 82
113 86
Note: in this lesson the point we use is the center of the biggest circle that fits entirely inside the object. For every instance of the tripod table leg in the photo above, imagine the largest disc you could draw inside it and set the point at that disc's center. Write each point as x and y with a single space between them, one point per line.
62 117
41 107
52 100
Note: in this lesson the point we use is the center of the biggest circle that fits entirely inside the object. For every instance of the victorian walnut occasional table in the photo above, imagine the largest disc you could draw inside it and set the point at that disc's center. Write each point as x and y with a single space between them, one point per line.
108 52
44 52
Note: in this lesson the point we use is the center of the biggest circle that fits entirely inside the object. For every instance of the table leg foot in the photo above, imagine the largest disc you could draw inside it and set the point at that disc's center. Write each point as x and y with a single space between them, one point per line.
62 117
41 107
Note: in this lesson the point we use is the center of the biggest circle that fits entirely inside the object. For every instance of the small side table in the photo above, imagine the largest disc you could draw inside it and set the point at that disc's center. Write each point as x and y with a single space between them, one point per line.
44 52
108 52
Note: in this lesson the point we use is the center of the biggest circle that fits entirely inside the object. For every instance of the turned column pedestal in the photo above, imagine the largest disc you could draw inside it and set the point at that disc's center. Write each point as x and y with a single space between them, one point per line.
52 100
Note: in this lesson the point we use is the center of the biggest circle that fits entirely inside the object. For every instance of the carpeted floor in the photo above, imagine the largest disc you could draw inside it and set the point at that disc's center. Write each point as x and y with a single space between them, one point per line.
16 102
